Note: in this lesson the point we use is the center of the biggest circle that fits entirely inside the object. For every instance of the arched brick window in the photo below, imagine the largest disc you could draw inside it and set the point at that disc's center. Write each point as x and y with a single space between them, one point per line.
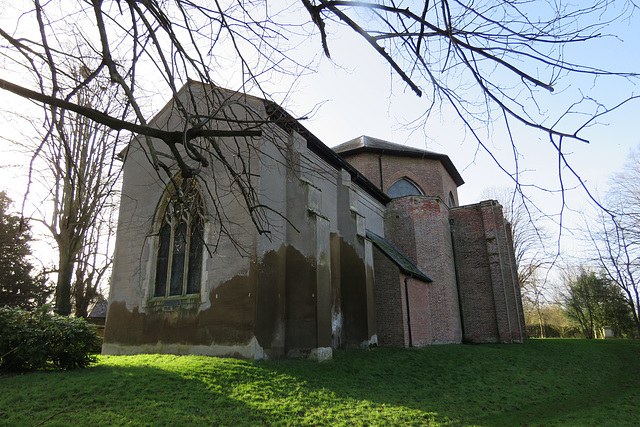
452 200
178 269
404 187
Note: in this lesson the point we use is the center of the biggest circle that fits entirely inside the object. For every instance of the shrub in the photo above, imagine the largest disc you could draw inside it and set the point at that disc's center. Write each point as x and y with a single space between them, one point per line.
39 340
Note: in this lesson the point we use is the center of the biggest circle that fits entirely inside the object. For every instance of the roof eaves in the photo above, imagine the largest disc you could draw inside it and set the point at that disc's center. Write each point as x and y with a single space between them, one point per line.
360 145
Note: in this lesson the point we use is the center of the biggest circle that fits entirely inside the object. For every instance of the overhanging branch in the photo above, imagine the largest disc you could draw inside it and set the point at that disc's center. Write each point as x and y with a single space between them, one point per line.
173 137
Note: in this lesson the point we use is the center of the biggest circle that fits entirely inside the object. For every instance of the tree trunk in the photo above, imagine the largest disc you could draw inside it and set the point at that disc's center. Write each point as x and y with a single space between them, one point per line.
63 287
81 297
539 310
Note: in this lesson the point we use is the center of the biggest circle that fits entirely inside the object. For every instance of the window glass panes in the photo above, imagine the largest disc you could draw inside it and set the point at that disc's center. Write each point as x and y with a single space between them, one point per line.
180 242
404 187
162 261
195 256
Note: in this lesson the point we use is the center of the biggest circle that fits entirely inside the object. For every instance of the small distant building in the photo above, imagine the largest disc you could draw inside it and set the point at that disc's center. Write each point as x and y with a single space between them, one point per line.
608 333
98 315
370 247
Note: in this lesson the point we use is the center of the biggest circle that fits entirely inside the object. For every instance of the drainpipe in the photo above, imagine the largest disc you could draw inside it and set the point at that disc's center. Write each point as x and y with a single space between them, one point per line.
406 298
380 172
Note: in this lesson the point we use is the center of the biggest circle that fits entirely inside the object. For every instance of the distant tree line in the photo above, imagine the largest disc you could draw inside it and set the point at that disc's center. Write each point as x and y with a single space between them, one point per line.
604 289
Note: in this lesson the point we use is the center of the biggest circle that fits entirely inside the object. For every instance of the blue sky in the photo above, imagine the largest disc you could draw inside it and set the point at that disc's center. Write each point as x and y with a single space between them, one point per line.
361 96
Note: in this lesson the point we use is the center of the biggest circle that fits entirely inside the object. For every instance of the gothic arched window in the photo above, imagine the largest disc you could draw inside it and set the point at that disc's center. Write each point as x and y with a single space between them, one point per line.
404 187
180 240
452 200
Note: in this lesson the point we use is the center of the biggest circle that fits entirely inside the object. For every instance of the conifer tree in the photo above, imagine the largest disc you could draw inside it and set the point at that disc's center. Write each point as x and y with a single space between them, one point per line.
19 287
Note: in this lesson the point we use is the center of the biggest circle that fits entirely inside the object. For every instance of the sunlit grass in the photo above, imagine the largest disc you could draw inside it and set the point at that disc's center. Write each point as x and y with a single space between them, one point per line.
542 382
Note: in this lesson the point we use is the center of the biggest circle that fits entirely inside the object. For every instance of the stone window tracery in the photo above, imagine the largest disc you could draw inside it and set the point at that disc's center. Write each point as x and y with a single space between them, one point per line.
180 241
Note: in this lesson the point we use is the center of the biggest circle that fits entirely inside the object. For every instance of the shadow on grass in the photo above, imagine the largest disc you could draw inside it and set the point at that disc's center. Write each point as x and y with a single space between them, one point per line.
570 382
540 382
121 395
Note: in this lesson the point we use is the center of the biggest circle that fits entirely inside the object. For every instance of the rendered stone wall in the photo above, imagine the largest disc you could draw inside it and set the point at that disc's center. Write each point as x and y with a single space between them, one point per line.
221 319
306 285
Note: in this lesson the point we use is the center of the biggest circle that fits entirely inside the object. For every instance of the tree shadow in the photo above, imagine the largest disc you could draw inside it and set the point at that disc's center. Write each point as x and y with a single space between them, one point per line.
544 383
122 395
484 385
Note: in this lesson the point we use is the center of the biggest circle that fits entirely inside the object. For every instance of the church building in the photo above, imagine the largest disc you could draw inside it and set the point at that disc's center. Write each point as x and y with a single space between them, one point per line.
367 245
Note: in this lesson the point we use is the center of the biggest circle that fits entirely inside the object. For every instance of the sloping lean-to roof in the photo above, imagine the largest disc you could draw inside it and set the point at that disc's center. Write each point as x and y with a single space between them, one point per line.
375 145
403 262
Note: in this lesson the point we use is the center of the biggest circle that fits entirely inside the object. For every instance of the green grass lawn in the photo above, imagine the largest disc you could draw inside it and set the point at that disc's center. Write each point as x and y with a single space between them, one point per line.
541 382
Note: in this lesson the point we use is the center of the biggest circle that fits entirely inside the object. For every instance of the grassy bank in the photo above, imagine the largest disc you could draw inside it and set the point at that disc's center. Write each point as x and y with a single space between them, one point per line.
542 382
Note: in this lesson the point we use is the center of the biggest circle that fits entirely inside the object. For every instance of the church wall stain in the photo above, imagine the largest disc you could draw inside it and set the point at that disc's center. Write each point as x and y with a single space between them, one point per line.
234 317
300 302
271 306
354 296
336 294
229 320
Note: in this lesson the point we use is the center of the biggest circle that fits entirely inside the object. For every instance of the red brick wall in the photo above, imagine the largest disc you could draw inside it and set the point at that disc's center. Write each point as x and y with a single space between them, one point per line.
486 274
419 227
390 306
429 174
421 321
367 164
395 328
490 299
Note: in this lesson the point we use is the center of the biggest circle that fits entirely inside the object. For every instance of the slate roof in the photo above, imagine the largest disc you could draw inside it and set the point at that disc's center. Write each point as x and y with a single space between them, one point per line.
403 262
374 145
99 309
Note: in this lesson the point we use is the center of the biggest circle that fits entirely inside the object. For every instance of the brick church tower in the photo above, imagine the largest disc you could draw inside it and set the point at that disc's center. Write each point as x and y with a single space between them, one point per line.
467 251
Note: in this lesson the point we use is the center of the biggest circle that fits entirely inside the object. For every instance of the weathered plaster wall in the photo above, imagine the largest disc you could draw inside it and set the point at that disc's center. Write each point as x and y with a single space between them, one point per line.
372 211
221 319
285 296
